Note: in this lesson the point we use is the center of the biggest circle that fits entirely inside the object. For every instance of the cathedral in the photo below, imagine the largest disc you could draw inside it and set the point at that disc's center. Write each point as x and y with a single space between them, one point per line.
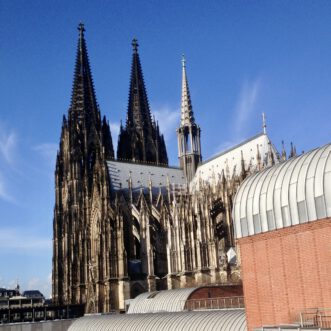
129 224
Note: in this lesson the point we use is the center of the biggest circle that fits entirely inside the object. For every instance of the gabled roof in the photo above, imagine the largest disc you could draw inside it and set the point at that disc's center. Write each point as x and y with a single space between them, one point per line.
33 294
230 160
141 174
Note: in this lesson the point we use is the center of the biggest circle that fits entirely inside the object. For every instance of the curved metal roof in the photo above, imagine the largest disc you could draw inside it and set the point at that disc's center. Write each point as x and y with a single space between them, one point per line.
227 320
289 193
160 301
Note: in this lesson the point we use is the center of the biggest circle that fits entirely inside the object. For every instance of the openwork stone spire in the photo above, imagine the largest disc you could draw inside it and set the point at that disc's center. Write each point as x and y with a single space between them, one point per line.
140 140
139 114
84 113
188 134
83 101
81 184
187 117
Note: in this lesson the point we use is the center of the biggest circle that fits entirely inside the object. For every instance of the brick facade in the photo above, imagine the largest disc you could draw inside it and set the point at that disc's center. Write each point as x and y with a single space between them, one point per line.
285 271
224 291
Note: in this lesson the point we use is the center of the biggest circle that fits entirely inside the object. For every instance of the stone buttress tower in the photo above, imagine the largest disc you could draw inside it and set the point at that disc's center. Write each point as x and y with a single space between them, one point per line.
88 248
140 140
188 134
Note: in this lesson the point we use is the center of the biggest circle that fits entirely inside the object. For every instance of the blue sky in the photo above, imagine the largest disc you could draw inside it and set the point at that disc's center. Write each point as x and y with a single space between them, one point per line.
243 58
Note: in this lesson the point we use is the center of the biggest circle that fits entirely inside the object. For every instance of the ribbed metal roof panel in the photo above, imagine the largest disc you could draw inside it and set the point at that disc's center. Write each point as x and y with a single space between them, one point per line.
289 193
162 301
222 320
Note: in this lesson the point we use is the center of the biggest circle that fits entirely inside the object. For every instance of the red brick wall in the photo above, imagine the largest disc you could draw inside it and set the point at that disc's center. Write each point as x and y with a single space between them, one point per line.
285 271
217 292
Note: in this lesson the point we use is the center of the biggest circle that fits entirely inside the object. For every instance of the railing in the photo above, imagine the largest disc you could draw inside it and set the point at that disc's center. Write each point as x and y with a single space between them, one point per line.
286 328
316 317
215 303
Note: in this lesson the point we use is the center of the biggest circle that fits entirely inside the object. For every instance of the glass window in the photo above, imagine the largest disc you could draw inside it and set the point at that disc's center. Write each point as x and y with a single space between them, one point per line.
270 219
320 207
302 210
244 227
286 216
153 295
257 225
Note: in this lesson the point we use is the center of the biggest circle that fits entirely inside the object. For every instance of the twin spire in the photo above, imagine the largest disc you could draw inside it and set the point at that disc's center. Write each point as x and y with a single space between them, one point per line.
83 81
138 114
135 45
83 94
93 135
140 139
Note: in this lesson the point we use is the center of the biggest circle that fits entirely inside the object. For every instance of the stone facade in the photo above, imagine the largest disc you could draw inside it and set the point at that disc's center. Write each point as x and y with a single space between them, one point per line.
112 244
88 244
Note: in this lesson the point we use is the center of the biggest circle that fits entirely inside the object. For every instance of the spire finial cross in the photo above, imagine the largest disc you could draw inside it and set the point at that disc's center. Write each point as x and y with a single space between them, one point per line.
135 45
183 61
264 124
81 28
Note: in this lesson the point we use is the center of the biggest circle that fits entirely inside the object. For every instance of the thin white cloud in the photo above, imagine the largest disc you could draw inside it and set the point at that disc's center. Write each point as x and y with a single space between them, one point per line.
168 120
22 240
8 144
8 141
48 152
42 284
12 284
8 284
4 195
245 105
243 111
115 130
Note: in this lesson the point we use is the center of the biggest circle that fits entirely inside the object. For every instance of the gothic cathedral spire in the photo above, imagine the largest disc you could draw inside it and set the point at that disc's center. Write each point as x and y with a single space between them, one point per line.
84 113
140 140
187 117
188 134
81 184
